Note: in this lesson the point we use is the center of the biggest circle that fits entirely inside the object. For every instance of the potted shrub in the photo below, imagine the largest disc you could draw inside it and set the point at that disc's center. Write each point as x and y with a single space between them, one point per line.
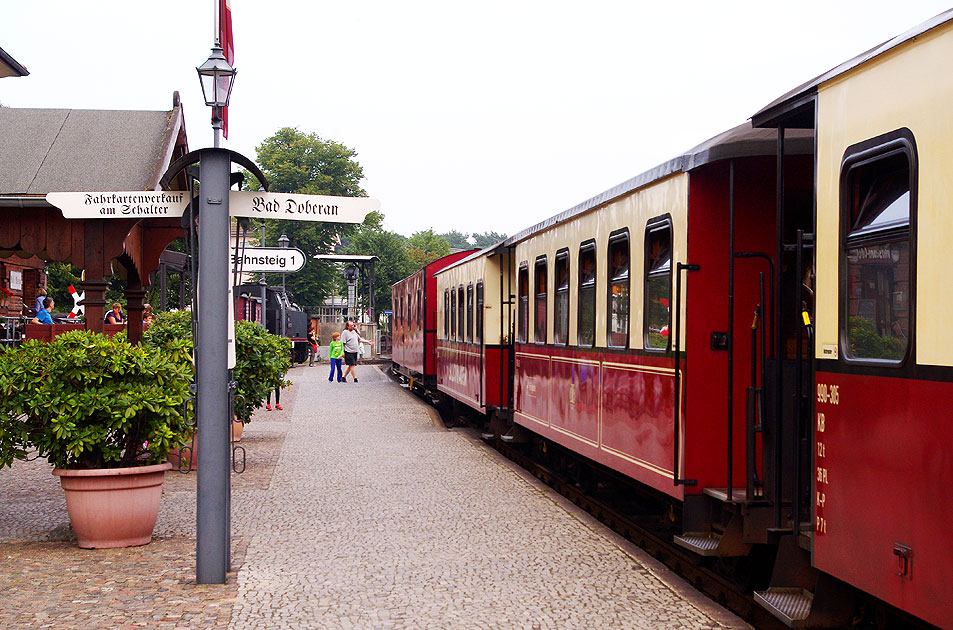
261 361
105 413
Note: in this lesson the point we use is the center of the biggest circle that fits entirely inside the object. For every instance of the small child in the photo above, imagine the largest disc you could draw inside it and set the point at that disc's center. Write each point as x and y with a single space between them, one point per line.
336 353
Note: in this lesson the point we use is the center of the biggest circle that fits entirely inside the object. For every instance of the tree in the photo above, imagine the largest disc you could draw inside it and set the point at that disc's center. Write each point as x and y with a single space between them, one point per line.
424 247
296 162
487 238
371 239
457 240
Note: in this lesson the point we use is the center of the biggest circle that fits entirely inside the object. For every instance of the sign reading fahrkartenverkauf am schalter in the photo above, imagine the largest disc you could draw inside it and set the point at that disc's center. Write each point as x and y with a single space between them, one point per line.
120 205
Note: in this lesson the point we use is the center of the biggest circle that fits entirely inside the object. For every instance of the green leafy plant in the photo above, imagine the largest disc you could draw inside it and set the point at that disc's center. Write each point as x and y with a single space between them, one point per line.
261 359
85 400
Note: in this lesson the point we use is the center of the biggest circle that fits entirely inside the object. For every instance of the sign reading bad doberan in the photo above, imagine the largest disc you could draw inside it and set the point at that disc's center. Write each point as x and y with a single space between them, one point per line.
154 204
268 259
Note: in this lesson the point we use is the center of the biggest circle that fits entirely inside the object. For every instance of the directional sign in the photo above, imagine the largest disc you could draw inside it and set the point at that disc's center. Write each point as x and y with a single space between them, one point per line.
269 259
300 207
120 205
152 204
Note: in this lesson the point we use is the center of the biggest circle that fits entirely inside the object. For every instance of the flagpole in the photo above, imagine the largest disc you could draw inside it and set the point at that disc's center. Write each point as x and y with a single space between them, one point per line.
217 21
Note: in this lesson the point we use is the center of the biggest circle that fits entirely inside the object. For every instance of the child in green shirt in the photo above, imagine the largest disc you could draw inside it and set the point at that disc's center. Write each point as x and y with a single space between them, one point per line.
336 352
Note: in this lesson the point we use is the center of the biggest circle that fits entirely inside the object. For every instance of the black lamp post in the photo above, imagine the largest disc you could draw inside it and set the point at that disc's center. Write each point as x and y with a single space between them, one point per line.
213 518
283 242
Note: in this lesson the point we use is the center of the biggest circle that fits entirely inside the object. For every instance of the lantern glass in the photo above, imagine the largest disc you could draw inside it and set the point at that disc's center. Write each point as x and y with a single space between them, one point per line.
217 78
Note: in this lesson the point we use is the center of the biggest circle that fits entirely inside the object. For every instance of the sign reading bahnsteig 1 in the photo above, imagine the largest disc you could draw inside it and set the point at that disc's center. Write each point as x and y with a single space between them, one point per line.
269 259
156 204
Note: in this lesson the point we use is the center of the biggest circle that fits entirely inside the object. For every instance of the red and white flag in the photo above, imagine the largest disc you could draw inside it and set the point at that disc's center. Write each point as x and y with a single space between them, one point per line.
228 46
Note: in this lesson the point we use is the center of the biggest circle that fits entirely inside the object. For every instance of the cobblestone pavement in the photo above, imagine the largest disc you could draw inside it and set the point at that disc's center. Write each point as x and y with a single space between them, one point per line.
356 510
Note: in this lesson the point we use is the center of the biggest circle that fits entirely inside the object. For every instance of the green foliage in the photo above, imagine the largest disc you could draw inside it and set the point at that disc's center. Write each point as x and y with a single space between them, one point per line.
296 162
85 400
371 239
457 240
865 343
261 359
487 238
424 247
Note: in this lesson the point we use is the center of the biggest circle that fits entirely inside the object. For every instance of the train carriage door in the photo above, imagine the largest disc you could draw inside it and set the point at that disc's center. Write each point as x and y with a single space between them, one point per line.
789 369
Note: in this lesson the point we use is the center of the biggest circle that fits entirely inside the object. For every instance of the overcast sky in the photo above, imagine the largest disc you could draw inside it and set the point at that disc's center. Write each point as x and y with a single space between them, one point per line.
467 116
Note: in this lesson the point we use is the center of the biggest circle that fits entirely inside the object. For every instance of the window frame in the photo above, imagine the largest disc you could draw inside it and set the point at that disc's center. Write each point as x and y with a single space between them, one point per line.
420 310
540 327
657 224
862 154
478 316
614 238
585 248
446 313
522 303
561 260
470 313
461 319
453 313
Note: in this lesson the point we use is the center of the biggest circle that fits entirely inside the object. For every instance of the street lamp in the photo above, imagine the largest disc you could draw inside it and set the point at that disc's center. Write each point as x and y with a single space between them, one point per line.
217 77
212 410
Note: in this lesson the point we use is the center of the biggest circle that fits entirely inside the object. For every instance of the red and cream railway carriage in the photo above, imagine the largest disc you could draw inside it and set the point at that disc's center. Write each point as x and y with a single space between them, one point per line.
876 504
414 323
474 324
603 296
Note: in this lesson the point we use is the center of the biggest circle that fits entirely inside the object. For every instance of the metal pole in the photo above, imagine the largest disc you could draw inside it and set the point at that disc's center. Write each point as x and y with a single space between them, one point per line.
212 514
264 297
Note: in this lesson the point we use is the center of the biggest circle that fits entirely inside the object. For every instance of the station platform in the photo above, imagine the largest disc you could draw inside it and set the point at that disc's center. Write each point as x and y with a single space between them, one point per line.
357 509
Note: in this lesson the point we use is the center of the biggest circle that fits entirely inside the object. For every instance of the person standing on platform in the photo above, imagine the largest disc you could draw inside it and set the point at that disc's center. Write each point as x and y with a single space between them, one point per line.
352 341
43 316
312 342
336 354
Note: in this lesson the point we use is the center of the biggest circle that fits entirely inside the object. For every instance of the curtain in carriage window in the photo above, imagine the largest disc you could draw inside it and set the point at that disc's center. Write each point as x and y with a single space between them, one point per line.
617 330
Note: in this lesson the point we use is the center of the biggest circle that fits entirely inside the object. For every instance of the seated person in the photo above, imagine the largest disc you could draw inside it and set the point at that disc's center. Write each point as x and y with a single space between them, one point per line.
44 317
115 316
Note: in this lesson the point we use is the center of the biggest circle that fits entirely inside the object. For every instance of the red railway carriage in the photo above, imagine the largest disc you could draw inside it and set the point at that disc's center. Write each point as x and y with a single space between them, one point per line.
474 321
621 353
414 322
873 507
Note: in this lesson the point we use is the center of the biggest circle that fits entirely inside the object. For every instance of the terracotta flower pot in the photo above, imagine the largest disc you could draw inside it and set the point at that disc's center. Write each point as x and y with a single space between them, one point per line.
237 429
113 507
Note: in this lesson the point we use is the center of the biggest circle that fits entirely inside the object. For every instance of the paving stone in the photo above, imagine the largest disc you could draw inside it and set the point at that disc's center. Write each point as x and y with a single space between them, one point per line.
355 510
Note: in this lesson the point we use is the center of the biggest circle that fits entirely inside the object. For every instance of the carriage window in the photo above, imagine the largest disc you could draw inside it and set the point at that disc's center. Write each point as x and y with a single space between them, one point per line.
461 321
617 331
470 313
446 313
453 313
539 278
523 289
561 305
478 333
420 310
586 320
877 212
658 285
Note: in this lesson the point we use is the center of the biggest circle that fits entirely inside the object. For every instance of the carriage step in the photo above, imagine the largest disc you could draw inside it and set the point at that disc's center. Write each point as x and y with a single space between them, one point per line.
790 605
702 543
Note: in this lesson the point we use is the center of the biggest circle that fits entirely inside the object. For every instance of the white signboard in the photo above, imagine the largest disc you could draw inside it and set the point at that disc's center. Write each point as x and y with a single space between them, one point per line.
152 204
16 280
120 205
268 259
300 207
